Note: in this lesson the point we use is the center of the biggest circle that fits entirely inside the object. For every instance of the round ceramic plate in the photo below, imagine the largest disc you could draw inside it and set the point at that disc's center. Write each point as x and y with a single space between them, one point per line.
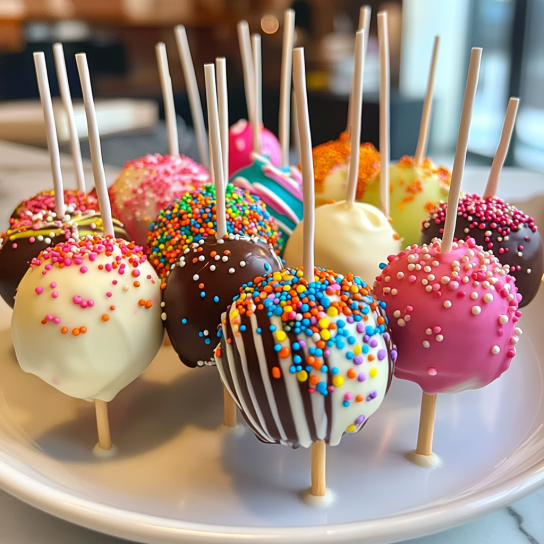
178 478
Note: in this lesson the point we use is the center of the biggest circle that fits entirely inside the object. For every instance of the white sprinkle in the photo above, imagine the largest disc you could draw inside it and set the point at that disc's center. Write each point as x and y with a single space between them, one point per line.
231 271
387 278
401 322
217 257
163 304
411 266
429 288
439 338
394 292
205 333
465 279
396 314
400 275
196 277
518 331
445 280
431 277
427 269
447 304
488 297
242 264
428 332
163 316
528 271
503 319
212 268
220 241
125 288
514 340
495 350
474 295
201 258
476 310
426 344
224 258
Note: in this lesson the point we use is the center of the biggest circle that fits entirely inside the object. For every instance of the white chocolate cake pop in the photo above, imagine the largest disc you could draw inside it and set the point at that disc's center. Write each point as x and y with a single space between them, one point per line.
87 317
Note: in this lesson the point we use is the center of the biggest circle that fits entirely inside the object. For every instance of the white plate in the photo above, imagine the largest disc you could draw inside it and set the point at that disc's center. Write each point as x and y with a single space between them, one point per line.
177 479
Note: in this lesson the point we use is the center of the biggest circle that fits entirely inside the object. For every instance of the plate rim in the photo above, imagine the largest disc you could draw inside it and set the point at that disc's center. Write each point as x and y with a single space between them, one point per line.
151 529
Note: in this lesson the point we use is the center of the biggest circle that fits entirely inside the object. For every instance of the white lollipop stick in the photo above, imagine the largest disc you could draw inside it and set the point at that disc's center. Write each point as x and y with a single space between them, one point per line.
285 84
303 122
364 24
247 68
223 104
427 104
168 98
194 96
94 144
50 131
217 159
62 77
258 81
502 150
461 149
356 116
319 450
383 39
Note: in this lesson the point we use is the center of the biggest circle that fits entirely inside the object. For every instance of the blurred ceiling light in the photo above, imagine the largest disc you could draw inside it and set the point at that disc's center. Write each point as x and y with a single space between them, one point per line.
269 24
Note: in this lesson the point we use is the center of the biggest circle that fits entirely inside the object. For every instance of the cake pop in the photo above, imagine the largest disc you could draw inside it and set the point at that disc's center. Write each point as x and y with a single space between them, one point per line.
279 188
331 162
193 217
453 307
509 233
148 184
87 315
306 353
350 236
210 272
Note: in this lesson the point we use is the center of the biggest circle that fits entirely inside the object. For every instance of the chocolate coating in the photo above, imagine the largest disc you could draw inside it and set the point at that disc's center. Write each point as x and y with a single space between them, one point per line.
510 234
24 241
203 283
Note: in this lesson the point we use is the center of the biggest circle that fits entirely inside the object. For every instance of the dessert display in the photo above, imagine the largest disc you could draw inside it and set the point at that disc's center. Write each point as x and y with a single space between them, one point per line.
97 293
210 272
416 184
349 236
436 292
279 187
193 217
497 226
306 353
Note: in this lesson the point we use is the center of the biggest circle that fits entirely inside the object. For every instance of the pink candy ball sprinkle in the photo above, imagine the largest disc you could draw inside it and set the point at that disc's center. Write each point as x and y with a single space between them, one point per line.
39 290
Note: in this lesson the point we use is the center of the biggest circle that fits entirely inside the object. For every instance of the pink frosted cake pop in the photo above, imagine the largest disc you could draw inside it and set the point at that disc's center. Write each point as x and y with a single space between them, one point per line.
149 184
453 315
241 146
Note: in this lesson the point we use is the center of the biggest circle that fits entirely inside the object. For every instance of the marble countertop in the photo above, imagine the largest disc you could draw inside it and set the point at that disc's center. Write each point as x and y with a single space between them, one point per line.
24 171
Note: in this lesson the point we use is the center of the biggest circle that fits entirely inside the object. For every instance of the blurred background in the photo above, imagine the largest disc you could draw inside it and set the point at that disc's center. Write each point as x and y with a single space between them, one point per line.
119 37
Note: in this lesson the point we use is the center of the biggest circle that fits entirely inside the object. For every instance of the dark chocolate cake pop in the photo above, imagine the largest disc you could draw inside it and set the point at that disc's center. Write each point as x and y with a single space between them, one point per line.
510 234
203 283
25 239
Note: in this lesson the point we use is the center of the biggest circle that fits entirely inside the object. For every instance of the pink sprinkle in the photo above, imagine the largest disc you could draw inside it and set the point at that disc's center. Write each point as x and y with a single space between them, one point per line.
115 282
39 290
14 246
83 304
347 396
108 294
432 371
83 269
49 317
436 330
67 261
409 309
108 267
148 276
32 239
77 299
90 303
52 285
54 294
56 320
48 267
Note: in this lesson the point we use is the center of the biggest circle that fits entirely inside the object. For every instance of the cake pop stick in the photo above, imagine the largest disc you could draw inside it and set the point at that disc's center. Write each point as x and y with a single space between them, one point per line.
357 106
66 97
318 448
168 98
247 67
223 108
51 131
364 24
258 95
383 39
285 83
428 402
94 144
427 105
214 116
502 150
101 407
192 91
